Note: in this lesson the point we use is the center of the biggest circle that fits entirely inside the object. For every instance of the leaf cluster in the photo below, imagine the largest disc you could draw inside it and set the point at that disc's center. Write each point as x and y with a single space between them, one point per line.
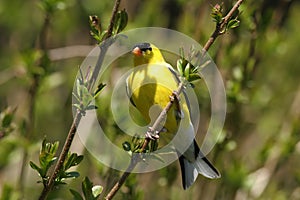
217 13
137 143
119 23
47 159
185 69
82 94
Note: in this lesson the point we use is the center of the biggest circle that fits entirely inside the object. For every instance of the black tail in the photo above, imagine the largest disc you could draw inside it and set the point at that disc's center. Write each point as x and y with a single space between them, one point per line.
190 170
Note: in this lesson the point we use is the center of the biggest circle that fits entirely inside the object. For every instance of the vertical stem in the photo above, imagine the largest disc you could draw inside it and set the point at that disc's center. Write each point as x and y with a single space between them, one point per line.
104 46
112 19
78 116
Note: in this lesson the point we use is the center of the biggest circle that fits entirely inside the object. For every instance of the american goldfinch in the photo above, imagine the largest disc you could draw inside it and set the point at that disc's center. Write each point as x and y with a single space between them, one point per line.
152 84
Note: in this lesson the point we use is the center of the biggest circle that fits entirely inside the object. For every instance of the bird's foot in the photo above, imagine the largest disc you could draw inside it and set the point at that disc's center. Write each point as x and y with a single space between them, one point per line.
152 136
175 97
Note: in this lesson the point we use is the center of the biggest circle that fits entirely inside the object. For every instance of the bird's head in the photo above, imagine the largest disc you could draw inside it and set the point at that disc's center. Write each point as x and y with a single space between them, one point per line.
146 53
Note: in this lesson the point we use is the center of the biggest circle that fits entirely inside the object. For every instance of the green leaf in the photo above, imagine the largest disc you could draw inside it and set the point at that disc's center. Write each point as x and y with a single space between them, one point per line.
78 86
179 67
76 195
126 146
195 69
97 190
72 160
153 146
59 181
96 37
73 174
43 149
47 156
54 147
78 160
137 143
187 71
233 24
51 162
35 167
86 96
194 77
103 35
99 89
121 20
69 160
91 107
87 186
77 106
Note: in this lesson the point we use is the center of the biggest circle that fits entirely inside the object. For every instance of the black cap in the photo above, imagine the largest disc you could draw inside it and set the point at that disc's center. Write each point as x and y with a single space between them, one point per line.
143 46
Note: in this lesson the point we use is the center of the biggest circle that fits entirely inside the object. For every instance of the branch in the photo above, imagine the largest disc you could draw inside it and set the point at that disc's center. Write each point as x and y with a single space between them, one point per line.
163 113
121 181
112 19
104 46
220 26
78 115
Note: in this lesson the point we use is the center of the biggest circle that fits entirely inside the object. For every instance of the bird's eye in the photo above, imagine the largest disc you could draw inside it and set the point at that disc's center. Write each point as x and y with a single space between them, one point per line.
146 49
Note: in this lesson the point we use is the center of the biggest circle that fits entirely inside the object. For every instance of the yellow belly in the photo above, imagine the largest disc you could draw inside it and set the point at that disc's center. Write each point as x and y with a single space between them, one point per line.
154 94
153 85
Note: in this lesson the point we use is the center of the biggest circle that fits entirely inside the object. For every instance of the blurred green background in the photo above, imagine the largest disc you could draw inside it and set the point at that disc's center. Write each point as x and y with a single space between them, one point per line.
258 153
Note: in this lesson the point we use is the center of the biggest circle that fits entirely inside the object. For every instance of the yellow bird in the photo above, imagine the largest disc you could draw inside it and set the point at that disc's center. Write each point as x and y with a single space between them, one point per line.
152 83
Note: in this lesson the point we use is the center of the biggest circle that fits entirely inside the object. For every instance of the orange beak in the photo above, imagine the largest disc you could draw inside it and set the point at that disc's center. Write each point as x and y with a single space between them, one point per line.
137 51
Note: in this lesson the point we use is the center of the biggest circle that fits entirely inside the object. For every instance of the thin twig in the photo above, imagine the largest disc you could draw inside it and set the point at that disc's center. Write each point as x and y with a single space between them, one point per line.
163 113
78 115
220 27
112 19
134 161
104 46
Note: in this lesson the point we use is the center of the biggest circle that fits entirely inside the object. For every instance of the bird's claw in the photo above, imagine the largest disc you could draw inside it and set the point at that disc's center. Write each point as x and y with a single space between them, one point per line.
174 97
151 136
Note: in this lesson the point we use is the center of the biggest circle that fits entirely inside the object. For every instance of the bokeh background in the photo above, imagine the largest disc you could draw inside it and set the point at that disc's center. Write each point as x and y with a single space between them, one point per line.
258 151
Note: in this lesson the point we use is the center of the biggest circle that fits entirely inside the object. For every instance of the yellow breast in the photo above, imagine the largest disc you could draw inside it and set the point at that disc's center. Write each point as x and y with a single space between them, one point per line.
150 85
